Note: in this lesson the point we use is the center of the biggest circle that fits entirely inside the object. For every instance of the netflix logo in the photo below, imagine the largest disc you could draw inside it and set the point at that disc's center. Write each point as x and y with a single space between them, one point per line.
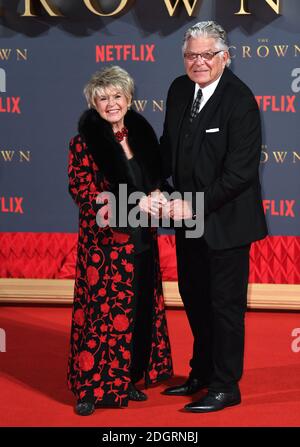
283 103
283 208
136 53
11 104
11 205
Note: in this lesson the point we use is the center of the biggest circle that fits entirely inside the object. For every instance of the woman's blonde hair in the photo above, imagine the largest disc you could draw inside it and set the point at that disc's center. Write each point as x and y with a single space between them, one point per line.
108 77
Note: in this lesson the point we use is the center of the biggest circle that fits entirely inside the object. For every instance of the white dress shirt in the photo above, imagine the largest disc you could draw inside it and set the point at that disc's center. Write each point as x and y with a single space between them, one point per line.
207 92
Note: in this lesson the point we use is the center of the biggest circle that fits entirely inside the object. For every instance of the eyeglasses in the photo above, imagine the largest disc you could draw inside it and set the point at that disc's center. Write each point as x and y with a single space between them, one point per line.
206 56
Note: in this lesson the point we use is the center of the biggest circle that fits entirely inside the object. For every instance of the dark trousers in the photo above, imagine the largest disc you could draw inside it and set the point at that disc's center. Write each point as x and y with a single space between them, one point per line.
144 300
213 287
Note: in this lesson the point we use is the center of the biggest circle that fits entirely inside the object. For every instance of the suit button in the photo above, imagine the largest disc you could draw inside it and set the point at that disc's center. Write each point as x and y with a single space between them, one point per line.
186 135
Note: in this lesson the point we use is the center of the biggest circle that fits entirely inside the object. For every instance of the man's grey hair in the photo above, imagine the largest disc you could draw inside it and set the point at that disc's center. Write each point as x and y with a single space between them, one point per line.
207 29
109 77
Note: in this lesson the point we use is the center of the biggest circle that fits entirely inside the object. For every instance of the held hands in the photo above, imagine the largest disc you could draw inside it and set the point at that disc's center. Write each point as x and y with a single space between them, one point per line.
153 203
178 209
157 205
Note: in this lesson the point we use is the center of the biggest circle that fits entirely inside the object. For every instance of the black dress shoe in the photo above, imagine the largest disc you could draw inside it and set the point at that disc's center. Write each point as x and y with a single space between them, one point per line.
84 408
191 386
214 401
135 394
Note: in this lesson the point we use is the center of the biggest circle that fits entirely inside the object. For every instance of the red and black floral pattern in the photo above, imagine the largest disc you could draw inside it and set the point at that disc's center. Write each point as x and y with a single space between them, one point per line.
104 302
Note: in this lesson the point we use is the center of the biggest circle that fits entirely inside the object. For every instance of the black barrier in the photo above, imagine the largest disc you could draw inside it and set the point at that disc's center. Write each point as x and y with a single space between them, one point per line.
141 436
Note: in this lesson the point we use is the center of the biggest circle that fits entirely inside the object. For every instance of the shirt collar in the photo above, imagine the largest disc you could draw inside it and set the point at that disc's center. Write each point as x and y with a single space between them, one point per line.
207 91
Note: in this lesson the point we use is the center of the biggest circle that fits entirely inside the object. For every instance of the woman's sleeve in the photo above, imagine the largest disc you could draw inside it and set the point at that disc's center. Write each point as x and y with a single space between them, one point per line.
81 185
81 182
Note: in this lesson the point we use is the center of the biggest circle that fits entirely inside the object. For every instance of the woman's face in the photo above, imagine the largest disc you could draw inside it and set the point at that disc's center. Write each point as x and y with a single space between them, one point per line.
112 105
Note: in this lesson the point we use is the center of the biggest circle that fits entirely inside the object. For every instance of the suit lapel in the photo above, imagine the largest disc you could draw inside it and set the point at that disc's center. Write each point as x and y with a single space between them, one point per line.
208 112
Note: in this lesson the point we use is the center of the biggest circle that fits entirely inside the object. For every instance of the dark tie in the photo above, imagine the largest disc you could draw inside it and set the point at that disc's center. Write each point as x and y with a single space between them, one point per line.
196 105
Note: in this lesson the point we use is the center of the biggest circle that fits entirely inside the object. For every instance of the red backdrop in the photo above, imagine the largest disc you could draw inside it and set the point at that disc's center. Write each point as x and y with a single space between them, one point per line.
275 259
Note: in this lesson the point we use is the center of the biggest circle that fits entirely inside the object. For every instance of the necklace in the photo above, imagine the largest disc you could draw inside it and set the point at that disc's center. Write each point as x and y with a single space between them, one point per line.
121 134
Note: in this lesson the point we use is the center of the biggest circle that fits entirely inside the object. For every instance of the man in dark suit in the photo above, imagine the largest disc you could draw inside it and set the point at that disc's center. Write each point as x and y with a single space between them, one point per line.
212 144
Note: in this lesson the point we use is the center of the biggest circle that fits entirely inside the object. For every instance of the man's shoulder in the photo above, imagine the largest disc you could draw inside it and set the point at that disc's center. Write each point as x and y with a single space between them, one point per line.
235 86
181 82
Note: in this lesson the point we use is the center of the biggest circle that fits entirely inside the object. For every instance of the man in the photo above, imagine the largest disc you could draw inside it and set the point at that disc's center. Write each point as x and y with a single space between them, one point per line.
212 143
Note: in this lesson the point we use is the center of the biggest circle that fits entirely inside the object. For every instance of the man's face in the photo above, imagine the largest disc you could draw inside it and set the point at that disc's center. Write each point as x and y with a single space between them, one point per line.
204 72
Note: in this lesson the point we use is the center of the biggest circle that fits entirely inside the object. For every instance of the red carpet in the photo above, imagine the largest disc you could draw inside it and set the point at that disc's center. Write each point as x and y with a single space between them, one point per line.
33 371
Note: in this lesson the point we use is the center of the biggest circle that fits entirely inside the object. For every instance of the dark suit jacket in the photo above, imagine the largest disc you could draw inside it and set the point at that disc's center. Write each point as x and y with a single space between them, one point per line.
223 164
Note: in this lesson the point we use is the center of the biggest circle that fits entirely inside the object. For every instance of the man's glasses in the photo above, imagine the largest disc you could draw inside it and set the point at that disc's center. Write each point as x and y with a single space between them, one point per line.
206 56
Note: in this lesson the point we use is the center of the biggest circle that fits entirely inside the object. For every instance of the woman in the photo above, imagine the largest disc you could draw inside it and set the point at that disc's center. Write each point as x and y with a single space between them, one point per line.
119 331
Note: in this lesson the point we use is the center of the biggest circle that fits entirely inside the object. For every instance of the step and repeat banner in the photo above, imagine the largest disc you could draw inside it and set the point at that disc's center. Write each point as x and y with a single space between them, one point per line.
49 49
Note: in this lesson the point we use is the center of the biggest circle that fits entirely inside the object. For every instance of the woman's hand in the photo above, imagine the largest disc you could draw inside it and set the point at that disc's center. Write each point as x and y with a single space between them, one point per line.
152 204
149 205
158 195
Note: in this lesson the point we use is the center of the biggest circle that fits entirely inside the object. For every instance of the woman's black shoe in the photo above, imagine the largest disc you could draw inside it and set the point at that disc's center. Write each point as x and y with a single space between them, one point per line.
135 394
84 408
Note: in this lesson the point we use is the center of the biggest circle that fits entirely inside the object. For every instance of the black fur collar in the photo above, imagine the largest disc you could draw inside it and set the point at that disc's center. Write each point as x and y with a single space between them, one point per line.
109 155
